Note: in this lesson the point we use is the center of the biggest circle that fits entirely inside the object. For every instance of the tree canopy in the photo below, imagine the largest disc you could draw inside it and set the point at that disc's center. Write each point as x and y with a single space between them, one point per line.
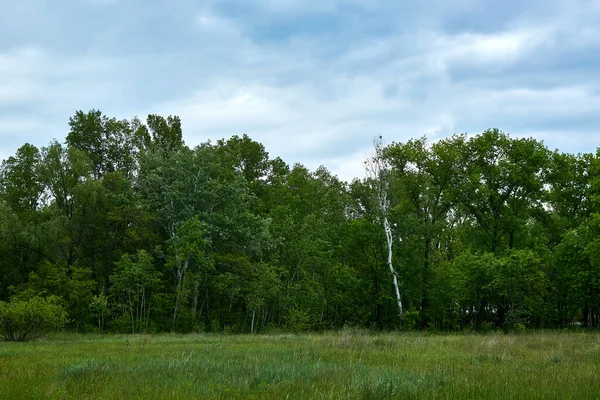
129 230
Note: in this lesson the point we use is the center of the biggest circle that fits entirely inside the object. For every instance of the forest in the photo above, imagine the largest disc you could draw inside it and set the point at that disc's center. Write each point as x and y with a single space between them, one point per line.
130 230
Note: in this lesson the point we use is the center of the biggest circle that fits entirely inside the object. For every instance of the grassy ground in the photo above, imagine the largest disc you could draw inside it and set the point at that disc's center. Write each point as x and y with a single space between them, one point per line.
344 365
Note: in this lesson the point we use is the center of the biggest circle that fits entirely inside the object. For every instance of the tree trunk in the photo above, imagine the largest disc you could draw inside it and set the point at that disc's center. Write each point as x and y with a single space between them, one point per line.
388 235
376 166
264 321
424 322
481 312
195 299
180 277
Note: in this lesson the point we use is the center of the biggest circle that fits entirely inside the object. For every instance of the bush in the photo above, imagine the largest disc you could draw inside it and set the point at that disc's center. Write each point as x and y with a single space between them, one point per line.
298 320
410 320
24 320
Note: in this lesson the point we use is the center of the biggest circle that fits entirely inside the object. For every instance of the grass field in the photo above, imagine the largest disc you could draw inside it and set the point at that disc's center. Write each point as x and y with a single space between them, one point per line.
346 364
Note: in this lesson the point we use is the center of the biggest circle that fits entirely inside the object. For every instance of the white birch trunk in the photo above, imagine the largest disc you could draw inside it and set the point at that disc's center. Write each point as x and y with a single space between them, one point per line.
376 168
388 235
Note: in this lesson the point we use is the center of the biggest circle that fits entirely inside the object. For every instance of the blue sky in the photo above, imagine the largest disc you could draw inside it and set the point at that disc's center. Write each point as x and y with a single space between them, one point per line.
314 81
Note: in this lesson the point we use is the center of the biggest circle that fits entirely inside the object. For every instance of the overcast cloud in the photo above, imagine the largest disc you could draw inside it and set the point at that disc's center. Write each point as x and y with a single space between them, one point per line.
314 81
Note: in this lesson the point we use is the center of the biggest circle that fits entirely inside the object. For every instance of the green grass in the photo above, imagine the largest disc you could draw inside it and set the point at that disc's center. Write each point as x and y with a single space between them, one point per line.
344 365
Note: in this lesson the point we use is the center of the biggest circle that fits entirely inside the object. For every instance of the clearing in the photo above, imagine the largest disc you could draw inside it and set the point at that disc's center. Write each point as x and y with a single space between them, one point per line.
345 364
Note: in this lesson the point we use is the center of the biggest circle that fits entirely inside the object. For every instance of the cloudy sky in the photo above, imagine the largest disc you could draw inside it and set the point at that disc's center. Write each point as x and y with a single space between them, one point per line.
314 81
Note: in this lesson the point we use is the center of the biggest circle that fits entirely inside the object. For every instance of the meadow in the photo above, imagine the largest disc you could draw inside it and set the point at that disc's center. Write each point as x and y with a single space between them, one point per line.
349 364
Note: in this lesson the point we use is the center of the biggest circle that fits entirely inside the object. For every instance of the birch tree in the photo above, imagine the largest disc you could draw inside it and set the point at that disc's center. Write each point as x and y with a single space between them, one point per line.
133 282
424 174
188 259
378 171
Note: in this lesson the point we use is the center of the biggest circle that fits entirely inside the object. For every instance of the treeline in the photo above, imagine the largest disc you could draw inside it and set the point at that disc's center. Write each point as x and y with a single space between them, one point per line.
134 231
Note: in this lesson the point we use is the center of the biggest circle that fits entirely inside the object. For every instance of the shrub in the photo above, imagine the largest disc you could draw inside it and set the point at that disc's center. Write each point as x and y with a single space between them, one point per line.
410 321
24 320
298 320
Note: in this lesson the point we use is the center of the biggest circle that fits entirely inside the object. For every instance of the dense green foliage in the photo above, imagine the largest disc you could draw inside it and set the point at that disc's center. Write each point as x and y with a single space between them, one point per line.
351 364
24 320
137 232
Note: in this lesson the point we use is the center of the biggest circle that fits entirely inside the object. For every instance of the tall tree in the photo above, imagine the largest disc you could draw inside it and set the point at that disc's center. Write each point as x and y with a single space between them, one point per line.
502 185
187 184
379 172
133 281
424 177
110 144
20 186
161 133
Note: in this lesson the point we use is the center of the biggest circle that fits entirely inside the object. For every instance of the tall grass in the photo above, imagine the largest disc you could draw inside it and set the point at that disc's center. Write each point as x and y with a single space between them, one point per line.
348 364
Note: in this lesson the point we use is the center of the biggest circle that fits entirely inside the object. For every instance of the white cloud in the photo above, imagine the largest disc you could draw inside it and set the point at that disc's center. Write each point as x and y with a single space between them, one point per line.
294 6
18 125
16 131
293 122
350 166
17 90
19 62
566 140
210 23
310 100
296 123
486 49
102 2
40 90
525 103
31 74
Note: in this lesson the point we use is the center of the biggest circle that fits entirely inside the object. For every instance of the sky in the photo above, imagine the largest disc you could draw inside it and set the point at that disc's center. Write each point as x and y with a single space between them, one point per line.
313 81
